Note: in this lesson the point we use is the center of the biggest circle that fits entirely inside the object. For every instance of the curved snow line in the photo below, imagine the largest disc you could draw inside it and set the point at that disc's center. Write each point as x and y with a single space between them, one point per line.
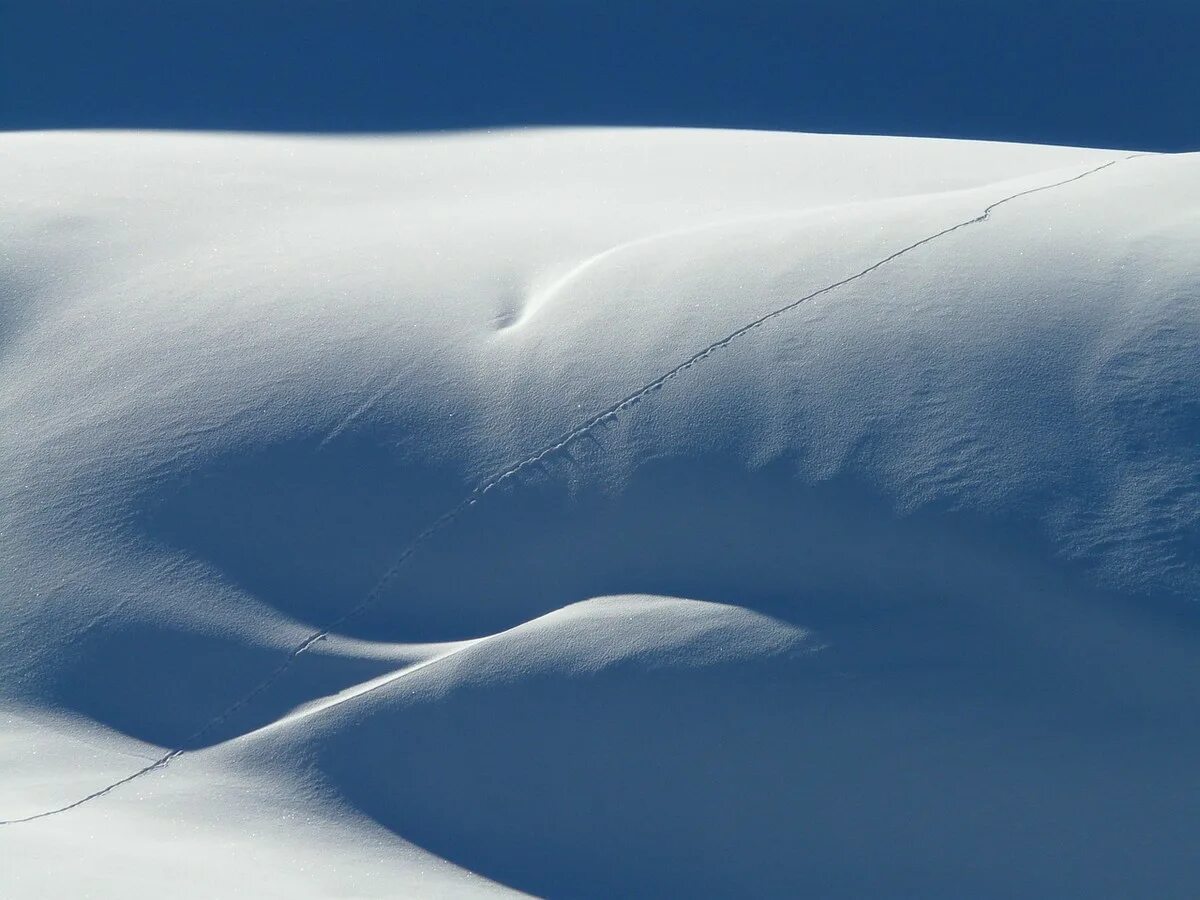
567 438
370 686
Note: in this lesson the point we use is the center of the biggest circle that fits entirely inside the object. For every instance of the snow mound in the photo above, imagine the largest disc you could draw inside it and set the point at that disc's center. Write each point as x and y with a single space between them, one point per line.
598 512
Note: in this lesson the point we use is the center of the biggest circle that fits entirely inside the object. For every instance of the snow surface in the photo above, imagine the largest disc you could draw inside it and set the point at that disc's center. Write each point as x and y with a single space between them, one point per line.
595 513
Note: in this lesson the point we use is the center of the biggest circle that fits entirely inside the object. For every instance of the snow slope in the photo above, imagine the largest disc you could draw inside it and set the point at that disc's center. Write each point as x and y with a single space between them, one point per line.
597 513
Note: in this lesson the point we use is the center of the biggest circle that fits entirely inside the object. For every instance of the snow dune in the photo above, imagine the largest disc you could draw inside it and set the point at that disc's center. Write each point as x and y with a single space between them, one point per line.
597 513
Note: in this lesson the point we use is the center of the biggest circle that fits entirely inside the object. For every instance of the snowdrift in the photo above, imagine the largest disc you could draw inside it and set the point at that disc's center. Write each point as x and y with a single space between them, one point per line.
592 513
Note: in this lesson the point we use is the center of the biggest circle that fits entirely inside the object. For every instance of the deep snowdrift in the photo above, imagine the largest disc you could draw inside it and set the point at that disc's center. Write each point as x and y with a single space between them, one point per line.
606 513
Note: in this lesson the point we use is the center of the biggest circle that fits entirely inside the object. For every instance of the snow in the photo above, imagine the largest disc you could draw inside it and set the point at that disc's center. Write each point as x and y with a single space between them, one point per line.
593 512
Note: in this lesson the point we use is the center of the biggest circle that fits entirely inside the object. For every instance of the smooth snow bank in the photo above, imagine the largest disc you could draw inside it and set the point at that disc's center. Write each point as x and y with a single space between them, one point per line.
436 496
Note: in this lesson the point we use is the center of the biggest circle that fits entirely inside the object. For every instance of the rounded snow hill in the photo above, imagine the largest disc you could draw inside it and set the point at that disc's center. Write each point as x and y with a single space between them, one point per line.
591 513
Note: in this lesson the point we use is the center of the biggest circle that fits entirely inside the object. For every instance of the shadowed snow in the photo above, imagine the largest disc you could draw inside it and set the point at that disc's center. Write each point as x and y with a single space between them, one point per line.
600 513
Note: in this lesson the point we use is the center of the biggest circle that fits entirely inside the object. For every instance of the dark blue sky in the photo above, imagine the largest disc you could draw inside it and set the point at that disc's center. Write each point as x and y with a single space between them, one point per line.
1112 73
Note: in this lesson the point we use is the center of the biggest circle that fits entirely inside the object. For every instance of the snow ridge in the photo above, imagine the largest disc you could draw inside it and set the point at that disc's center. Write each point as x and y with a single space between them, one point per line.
566 439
